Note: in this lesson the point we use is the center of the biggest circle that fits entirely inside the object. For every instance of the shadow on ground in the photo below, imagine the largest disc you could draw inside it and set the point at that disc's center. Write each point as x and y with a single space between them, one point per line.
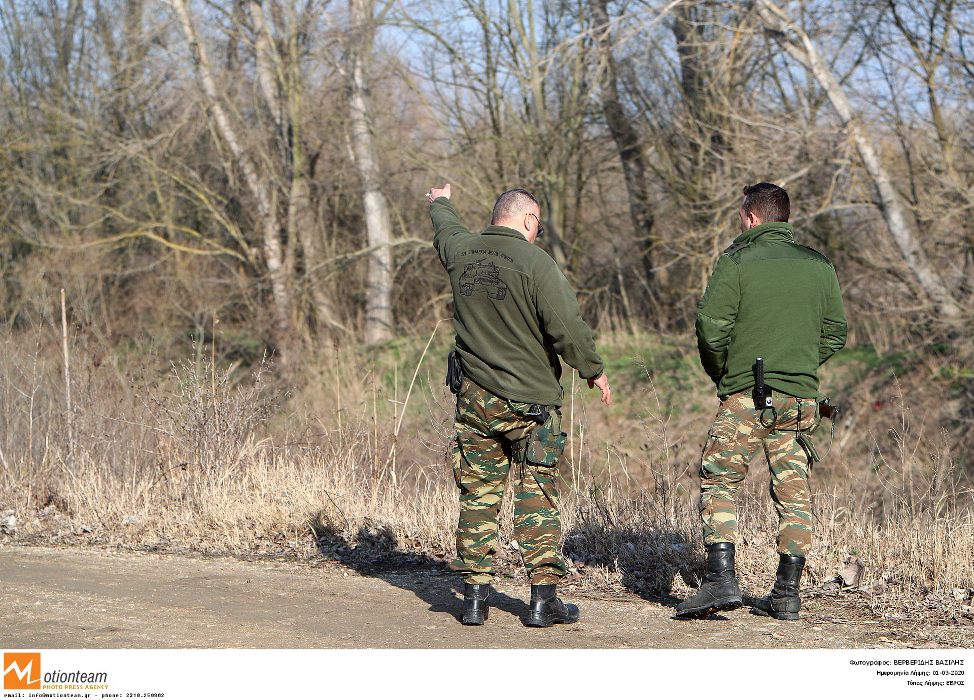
374 551
648 562
648 559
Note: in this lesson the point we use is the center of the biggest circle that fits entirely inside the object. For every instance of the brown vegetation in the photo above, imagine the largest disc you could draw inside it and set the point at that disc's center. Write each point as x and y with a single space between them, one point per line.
195 460
215 184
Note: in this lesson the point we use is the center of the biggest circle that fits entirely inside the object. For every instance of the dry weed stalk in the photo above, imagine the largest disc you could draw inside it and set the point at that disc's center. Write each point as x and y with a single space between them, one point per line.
201 458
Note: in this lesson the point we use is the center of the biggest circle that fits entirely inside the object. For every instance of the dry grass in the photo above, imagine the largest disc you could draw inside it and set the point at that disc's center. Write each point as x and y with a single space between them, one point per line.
219 461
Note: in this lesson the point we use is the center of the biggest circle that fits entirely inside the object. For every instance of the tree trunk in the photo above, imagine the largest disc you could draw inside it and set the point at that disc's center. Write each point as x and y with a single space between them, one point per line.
796 42
260 189
378 224
699 79
626 140
302 224
555 220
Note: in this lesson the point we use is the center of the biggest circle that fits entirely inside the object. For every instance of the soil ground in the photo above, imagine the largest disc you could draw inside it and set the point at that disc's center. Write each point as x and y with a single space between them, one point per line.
90 598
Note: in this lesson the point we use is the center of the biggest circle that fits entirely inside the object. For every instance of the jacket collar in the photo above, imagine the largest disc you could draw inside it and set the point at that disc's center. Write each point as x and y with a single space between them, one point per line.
503 231
774 231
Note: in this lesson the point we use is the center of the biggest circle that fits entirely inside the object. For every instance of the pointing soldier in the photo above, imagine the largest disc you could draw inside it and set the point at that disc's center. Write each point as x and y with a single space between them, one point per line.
772 299
514 315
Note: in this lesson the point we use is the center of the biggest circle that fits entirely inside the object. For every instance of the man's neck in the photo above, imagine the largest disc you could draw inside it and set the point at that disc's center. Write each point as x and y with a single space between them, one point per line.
507 223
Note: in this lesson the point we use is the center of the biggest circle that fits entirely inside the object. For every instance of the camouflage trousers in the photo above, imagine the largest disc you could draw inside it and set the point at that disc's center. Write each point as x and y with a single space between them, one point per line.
736 436
497 438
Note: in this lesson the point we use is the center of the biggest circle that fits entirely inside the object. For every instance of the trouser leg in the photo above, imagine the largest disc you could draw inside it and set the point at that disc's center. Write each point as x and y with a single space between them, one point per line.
790 492
480 467
537 522
723 467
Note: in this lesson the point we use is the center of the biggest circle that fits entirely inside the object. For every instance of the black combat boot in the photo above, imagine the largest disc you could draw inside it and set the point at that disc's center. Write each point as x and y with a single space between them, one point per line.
547 608
783 603
719 590
475 608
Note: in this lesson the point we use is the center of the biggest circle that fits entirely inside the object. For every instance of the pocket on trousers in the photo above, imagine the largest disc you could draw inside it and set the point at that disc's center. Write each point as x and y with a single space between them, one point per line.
711 446
800 414
810 416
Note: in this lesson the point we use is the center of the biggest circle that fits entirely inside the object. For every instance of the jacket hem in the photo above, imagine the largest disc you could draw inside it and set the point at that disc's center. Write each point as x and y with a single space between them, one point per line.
510 396
796 392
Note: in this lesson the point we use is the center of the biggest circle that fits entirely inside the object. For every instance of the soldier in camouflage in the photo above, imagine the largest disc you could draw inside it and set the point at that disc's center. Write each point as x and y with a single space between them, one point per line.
494 436
768 298
514 315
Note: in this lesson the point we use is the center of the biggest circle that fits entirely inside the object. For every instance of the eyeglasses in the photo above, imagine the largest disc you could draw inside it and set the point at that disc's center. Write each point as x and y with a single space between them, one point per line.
540 227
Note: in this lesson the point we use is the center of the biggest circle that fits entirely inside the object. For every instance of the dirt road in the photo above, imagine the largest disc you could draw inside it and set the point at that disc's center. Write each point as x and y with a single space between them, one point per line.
74 598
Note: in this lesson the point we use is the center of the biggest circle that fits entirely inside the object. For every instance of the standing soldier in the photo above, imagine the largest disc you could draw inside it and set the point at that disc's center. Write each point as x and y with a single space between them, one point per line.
514 315
772 299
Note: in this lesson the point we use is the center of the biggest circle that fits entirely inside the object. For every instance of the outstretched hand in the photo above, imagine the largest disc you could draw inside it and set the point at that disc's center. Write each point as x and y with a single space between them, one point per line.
602 382
436 192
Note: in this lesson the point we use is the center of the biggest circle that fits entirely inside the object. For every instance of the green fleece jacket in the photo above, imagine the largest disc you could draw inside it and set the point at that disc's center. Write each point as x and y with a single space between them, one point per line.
514 312
771 298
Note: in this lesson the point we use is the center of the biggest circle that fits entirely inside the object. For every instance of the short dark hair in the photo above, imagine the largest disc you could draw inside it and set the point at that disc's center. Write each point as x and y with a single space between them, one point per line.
511 202
767 202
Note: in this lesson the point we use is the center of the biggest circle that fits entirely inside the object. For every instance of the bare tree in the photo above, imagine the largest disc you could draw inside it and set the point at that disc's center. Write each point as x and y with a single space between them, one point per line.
378 225
278 64
626 138
797 43
260 189
515 100
257 159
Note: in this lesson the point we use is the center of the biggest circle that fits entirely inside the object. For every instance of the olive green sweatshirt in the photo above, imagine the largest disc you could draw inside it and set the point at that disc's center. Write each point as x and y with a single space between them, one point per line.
771 298
514 311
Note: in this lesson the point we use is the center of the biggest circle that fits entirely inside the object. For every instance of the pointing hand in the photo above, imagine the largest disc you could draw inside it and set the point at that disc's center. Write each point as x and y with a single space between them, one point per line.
438 192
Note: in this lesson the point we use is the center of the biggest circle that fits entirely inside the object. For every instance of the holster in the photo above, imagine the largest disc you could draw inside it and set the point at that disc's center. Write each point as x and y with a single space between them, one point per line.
805 440
546 442
454 372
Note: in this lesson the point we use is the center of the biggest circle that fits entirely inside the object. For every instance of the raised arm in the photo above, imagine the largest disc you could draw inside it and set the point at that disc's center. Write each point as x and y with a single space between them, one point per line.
447 227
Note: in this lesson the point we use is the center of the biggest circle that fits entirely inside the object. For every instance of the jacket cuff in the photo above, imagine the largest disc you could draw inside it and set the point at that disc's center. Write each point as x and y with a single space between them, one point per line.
598 374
